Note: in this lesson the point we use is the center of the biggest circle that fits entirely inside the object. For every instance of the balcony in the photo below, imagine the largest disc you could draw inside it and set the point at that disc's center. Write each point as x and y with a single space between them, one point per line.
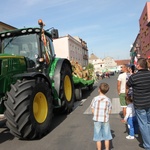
85 57
85 48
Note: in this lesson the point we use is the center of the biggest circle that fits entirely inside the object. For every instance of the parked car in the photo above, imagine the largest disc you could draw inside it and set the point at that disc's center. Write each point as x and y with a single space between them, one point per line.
111 73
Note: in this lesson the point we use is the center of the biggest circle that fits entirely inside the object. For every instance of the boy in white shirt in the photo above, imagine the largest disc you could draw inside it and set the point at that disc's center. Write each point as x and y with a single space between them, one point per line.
101 108
130 118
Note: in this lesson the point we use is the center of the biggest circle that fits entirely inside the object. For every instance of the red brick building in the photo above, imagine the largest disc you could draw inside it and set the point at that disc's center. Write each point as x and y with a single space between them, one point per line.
141 45
144 23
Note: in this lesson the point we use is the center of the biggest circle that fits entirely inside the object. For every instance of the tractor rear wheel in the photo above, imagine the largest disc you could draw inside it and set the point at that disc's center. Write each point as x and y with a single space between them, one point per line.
90 87
66 92
29 109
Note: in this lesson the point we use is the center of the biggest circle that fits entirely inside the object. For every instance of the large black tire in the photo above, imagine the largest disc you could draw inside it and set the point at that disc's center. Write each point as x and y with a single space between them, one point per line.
66 92
29 109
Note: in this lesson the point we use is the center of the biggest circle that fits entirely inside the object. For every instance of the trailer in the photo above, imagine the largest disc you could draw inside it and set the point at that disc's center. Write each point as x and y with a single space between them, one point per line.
80 84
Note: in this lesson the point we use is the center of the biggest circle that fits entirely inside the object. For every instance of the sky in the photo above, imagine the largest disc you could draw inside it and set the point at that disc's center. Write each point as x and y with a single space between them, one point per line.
109 27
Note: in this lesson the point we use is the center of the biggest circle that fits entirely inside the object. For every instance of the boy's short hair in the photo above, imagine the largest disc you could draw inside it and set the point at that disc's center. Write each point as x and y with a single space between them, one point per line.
104 88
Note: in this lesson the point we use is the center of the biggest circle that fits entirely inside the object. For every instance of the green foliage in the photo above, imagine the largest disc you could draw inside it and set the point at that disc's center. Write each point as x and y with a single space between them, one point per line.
90 66
90 69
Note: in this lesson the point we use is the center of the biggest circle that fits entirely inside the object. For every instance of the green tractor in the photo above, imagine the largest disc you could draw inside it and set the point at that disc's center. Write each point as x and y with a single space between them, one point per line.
33 82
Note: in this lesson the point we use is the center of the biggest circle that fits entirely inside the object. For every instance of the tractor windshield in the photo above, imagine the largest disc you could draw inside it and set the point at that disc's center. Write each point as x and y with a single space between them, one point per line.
24 45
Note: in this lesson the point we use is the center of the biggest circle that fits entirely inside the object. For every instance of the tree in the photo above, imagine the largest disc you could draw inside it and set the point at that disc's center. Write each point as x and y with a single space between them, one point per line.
90 66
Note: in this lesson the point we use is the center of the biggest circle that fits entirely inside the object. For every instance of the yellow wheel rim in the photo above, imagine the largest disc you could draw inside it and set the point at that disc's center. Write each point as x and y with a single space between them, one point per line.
67 88
40 107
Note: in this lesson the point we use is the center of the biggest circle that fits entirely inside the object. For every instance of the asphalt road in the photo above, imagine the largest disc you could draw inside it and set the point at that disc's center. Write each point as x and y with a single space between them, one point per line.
75 131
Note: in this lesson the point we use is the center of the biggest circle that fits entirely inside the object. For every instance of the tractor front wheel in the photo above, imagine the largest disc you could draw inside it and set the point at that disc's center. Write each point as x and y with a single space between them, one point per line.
29 109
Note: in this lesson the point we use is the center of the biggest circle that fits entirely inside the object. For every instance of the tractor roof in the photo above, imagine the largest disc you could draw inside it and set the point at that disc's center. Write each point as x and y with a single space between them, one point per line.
17 32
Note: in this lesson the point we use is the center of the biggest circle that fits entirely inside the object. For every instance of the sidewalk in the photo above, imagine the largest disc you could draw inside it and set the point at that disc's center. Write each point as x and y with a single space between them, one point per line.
119 133
120 130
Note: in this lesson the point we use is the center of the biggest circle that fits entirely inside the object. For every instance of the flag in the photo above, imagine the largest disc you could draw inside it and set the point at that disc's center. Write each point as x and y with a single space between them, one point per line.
135 60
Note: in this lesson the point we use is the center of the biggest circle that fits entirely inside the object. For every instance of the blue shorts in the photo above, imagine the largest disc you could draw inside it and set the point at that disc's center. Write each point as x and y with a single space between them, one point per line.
102 131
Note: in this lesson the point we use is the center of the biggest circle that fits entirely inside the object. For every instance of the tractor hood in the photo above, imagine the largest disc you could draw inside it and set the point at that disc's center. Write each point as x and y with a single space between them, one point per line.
9 66
10 55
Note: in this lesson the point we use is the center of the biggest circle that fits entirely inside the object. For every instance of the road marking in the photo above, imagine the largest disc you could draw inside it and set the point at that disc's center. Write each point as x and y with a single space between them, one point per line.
116 106
88 111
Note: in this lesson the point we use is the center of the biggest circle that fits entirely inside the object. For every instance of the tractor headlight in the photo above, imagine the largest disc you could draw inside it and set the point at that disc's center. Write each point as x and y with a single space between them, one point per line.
41 59
36 56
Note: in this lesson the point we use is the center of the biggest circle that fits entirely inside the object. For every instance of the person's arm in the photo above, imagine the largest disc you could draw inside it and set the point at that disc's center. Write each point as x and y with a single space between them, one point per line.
92 106
127 89
118 86
128 112
130 81
109 112
92 109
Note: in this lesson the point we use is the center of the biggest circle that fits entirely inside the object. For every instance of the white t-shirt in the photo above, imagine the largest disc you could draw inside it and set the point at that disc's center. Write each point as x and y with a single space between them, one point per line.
130 112
123 78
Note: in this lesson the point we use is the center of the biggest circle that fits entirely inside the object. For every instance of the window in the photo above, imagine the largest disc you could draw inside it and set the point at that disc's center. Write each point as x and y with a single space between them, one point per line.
24 45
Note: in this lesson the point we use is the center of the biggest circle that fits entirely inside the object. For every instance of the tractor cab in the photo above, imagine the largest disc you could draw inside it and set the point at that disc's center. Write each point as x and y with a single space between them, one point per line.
36 47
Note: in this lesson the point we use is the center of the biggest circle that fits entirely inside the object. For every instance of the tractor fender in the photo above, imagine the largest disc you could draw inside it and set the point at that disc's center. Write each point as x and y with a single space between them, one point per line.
31 75
57 74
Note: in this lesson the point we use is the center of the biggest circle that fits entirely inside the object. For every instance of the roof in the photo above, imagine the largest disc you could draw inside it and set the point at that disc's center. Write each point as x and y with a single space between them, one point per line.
9 26
122 62
92 56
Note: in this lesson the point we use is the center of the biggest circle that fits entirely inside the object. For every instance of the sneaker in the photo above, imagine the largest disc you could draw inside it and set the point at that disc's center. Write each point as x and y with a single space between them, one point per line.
129 137
141 145
136 135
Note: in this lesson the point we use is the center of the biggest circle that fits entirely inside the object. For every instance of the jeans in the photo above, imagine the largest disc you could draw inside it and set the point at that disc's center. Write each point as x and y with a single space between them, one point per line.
143 117
132 125
102 131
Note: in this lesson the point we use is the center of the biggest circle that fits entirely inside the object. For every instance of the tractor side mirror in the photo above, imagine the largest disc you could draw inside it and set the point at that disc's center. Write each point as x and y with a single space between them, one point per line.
54 33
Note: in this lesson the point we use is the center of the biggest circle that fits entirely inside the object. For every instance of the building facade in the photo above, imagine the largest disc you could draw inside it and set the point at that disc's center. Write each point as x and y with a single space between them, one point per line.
136 51
141 45
72 48
107 64
85 53
144 23
97 63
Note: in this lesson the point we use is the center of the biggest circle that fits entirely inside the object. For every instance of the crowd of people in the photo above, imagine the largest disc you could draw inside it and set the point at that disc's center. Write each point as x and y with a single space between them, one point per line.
134 93
103 75
133 86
